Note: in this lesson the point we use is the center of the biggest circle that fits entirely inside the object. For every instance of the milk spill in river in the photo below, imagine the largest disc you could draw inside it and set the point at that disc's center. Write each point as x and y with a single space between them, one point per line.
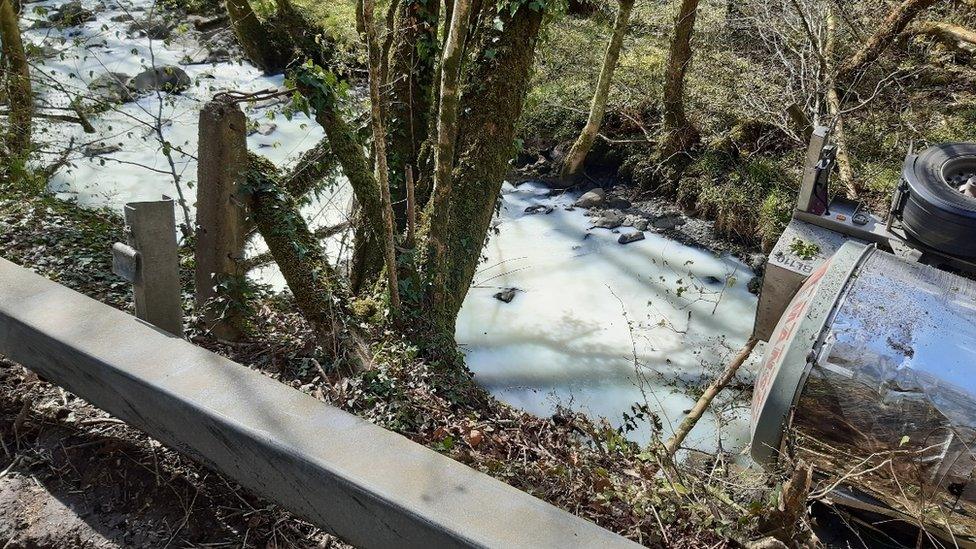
586 306
594 325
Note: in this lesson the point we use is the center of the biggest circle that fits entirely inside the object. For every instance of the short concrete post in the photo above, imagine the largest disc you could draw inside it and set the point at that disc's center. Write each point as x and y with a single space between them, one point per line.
221 228
151 262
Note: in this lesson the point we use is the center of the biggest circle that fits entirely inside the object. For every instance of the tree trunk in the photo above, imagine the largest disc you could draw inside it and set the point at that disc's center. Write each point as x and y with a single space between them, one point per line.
319 291
17 138
844 168
411 81
292 31
312 167
494 95
680 135
953 36
892 26
573 165
447 128
368 254
259 41
379 151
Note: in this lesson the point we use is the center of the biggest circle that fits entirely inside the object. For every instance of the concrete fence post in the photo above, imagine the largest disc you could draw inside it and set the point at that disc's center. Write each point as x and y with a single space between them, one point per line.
221 230
151 262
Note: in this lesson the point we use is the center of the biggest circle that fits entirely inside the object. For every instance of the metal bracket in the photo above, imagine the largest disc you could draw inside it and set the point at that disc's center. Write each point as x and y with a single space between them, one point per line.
125 262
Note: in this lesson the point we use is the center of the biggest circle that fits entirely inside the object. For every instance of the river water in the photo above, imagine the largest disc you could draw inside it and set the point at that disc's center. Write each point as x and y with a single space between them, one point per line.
594 325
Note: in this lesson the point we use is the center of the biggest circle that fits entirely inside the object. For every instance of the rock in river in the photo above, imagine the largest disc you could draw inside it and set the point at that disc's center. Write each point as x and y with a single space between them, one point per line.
506 295
153 28
70 14
627 238
591 199
167 78
609 220
110 87
539 208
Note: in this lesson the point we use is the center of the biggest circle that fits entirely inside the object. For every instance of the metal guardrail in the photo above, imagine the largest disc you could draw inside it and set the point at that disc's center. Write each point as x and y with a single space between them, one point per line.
371 487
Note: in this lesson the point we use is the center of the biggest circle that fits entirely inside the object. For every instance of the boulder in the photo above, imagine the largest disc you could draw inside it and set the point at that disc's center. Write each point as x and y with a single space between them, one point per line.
205 23
641 224
70 14
618 203
627 238
539 208
110 87
668 222
168 78
155 28
609 220
100 149
267 128
591 199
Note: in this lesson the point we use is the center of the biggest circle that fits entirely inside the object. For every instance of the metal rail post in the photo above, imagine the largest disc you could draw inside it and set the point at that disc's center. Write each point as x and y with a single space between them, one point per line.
151 262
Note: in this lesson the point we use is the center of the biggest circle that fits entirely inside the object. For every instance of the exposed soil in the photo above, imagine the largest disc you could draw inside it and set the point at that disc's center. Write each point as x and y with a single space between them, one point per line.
74 477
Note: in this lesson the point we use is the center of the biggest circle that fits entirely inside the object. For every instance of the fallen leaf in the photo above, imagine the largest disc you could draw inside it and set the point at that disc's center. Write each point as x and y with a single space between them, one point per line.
474 438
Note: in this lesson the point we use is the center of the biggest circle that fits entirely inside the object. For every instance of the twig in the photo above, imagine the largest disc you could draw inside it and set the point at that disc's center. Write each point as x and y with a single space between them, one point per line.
411 208
705 400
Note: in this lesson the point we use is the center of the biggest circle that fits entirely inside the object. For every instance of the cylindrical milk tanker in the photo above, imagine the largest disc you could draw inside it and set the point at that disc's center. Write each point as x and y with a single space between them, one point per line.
870 376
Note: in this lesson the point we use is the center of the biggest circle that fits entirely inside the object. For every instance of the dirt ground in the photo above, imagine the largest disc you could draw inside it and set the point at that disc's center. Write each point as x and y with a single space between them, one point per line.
70 476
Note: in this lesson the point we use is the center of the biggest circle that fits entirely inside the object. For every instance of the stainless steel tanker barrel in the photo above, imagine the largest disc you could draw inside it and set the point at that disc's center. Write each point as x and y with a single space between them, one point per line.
871 376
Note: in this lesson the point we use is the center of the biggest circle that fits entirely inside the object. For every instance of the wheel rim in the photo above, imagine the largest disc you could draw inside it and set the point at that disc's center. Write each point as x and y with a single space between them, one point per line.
957 172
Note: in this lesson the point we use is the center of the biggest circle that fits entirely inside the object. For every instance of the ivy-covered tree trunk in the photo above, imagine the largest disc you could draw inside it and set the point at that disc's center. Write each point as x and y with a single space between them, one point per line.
349 152
261 43
492 100
447 130
495 84
379 152
411 80
319 291
17 137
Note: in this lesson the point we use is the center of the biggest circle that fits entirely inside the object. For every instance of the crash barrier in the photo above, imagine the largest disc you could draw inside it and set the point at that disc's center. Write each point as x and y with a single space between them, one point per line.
369 486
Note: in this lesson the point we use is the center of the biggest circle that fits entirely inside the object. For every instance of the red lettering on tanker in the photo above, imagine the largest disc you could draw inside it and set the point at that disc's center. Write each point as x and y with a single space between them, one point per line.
787 324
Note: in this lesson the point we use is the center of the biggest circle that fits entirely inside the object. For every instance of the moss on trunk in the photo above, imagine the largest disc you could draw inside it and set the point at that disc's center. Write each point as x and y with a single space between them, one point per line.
322 96
262 44
17 137
411 81
492 101
311 169
319 291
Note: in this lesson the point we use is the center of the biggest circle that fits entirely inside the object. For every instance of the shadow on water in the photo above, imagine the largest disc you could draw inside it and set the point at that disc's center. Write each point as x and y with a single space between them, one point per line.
588 306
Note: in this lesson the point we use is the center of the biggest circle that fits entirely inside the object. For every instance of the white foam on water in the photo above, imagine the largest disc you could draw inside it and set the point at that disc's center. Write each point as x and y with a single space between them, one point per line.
140 170
587 308
595 325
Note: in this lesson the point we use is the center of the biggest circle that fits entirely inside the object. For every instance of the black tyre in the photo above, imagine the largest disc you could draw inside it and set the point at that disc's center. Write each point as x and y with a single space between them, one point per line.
935 212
